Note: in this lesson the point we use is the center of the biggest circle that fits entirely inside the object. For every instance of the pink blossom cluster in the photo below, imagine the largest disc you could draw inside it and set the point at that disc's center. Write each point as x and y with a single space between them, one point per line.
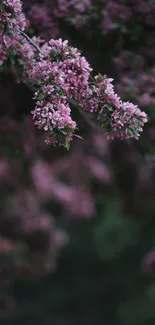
106 15
81 14
11 19
41 20
11 15
45 18
119 119
71 79
136 81
60 75
115 14
78 13
125 15
65 74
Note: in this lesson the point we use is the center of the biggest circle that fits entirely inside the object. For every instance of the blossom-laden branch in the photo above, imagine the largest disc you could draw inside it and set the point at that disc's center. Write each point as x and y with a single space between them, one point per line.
61 76
28 39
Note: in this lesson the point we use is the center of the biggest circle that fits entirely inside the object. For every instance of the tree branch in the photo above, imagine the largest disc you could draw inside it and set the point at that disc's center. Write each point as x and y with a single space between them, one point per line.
29 40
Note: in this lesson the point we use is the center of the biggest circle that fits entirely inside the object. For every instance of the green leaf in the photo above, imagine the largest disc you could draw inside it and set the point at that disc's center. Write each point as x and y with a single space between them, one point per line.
99 79
41 96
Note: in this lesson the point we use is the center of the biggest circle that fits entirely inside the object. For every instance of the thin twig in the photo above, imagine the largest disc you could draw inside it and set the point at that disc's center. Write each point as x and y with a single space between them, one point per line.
85 115
29 40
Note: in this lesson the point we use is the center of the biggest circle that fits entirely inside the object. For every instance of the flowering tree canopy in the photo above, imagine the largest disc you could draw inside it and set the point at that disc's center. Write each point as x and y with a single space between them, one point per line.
62 79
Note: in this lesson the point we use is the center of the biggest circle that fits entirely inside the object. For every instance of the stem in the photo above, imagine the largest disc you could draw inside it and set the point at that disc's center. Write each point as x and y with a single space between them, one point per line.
29 40
86 116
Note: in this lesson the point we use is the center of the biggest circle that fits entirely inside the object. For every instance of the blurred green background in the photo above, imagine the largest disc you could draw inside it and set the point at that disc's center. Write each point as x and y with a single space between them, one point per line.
99 278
